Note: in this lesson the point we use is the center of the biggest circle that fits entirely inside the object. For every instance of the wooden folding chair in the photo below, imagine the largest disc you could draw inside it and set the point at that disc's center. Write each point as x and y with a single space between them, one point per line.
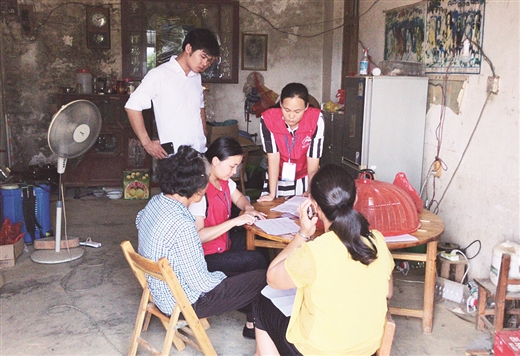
388 337
179 332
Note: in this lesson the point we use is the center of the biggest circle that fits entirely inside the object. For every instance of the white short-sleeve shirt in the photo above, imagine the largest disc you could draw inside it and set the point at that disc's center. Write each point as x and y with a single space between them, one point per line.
177 100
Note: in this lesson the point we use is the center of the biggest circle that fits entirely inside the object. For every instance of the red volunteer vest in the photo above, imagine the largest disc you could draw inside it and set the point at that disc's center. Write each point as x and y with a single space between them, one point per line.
218 211
297 145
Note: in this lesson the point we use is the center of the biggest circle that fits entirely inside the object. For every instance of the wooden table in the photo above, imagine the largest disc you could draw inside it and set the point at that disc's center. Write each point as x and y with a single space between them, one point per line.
430 233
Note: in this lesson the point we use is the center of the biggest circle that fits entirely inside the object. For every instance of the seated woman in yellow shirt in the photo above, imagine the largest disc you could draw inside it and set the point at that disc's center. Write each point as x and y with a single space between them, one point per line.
343 279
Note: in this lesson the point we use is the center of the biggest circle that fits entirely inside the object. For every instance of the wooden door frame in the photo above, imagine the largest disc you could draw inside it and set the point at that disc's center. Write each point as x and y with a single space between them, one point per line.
349 65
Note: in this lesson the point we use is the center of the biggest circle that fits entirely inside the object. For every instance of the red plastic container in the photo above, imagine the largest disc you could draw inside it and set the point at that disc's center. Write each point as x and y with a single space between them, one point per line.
507 343
387 207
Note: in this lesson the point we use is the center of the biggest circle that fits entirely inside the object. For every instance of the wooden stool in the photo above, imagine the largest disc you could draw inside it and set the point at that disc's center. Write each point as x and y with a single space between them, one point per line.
459 267
500 295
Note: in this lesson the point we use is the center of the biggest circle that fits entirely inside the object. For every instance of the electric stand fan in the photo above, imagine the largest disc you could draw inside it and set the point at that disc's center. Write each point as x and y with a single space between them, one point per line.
73 131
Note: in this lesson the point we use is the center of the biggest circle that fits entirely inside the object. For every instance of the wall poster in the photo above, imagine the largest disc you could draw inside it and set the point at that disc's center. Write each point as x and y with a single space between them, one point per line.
404 33
445 35
455 34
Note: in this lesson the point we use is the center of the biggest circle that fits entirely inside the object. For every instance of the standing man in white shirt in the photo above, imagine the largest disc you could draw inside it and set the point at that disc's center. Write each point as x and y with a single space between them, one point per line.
175 89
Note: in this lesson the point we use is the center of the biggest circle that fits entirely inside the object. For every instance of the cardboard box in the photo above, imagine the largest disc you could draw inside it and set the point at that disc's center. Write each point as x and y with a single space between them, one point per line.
507 343
9 253
215 131
136 184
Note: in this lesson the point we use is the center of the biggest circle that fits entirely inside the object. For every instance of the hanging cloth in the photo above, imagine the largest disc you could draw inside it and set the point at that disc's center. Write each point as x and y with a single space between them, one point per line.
29 212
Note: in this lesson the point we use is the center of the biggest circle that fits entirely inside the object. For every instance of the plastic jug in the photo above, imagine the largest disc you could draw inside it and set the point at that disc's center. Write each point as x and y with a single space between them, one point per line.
514 270
83 81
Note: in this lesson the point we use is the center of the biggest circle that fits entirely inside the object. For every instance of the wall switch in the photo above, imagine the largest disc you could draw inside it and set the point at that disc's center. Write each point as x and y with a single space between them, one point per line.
492 85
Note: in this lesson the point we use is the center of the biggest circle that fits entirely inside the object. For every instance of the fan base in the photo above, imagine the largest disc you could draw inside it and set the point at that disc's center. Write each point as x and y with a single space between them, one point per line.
53 257
49 243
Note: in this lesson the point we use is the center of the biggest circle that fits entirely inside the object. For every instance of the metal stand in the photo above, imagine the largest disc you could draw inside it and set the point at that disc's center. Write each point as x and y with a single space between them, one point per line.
58 255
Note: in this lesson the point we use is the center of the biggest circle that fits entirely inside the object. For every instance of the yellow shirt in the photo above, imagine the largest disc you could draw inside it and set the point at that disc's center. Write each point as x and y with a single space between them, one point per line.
340 306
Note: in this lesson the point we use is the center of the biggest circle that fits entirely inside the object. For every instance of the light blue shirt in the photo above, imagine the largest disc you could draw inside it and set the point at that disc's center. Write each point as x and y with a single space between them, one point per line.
167 229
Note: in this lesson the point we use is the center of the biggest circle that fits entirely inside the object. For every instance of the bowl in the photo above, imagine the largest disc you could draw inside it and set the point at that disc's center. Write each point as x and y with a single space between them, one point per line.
114 194
98 193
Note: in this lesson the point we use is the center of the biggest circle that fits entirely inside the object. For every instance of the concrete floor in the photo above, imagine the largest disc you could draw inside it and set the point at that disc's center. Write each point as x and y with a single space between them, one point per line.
88 306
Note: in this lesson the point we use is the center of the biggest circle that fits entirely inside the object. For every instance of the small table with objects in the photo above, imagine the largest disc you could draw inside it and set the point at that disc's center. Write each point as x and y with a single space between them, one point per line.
428 234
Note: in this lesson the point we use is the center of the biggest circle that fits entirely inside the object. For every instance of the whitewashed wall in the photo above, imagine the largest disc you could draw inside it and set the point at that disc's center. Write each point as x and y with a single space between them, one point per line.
313 61
482 201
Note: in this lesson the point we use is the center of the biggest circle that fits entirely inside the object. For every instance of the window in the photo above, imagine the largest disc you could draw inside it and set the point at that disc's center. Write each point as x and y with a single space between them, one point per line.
152 31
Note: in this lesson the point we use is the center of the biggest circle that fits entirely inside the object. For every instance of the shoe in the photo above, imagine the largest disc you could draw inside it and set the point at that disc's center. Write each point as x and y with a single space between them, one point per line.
248 333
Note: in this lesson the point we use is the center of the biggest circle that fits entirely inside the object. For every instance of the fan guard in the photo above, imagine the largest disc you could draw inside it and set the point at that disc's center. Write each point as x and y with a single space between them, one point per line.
74 129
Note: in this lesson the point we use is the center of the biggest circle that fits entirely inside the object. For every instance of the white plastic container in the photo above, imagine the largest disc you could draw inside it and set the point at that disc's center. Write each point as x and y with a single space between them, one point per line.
84 81
514 270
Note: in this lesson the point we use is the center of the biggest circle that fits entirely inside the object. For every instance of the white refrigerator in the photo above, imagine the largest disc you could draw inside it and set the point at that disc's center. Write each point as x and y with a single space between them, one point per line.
383 127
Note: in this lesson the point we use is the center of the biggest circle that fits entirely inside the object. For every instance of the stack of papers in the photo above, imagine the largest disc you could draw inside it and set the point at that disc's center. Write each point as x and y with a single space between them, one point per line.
401 238
290 206
280 226
282 299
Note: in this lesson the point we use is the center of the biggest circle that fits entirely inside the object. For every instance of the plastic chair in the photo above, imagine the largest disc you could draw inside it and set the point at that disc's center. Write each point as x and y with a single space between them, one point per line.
179 332
388 337
486 289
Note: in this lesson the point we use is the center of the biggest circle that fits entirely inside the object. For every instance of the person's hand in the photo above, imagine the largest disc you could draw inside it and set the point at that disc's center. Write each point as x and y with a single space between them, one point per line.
155 150
307 226
255 213
306 194
244 219
265 198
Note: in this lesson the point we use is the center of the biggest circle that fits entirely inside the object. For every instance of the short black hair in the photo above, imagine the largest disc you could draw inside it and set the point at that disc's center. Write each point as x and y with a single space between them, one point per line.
224 147
184 173
292 90
203 39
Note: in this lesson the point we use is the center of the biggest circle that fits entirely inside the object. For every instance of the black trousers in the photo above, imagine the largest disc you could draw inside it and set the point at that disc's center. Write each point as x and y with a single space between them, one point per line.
270 319
236 292
237 260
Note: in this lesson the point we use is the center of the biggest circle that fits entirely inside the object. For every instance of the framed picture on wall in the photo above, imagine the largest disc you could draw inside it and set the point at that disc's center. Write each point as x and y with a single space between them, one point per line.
254 52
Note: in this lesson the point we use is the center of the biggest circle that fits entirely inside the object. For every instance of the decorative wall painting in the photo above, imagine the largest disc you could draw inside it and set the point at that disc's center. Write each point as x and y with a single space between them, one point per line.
454 36
404 33
445 35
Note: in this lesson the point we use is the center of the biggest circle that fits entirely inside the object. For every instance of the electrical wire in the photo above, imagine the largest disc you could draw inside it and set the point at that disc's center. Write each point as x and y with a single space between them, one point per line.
433 204
467 261
280 29
64 284
465 149
370 8
479 248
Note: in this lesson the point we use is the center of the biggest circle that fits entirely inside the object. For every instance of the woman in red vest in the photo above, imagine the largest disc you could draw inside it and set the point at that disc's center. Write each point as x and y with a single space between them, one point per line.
292 136
222 235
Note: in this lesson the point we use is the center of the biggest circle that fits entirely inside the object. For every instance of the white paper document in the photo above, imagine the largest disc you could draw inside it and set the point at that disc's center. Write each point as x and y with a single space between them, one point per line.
401 238
282 299
280 226
291 205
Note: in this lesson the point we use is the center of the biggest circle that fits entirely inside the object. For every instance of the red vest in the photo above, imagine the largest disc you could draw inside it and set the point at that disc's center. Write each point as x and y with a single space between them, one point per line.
297 145
218 211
